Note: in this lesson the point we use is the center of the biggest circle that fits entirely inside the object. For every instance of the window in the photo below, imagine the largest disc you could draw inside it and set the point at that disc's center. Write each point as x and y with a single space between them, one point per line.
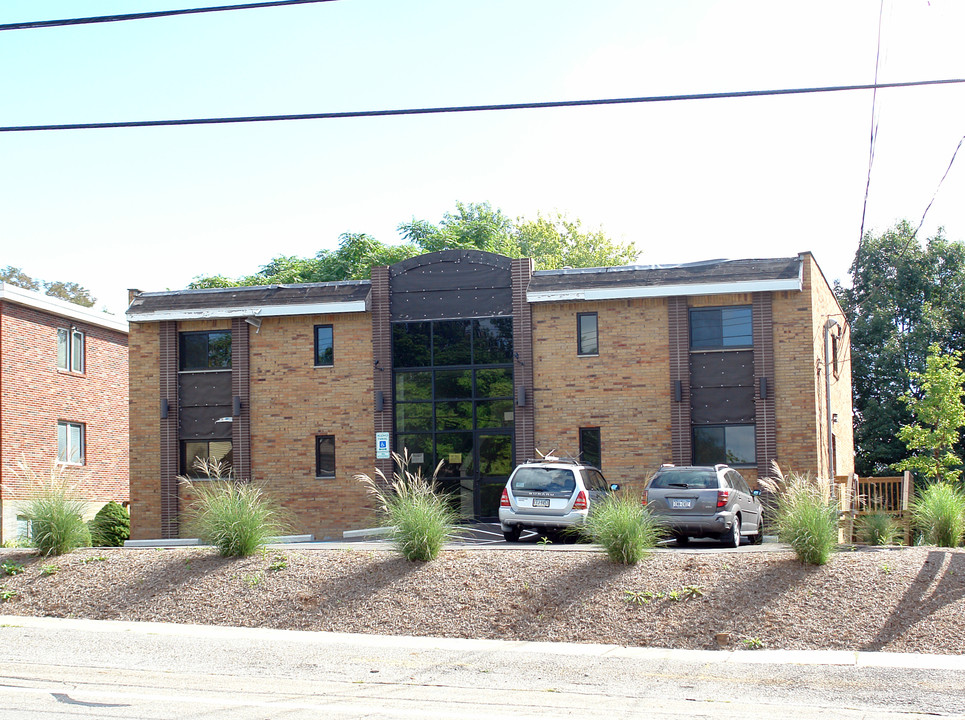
70 443
731 444
324 456
590 446
70 350
587 335
721 328
197 452
205 350
324 349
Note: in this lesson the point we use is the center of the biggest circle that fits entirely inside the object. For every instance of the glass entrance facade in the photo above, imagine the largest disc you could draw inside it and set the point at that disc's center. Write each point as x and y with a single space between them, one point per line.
453 389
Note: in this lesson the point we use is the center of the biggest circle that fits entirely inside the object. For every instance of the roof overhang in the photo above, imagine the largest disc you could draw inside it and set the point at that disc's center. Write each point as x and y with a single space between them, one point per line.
657 291
61 308
327 308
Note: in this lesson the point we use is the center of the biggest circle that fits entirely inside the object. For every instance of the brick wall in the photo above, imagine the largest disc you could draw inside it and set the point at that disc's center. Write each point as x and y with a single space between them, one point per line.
145 431
625 390
292 401
35 395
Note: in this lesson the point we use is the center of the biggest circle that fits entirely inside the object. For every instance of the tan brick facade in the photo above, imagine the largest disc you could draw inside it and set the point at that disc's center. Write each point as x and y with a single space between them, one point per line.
35 395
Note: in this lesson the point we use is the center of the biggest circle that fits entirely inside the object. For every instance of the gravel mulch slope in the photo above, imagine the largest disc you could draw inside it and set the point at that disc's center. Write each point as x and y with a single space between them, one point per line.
900 600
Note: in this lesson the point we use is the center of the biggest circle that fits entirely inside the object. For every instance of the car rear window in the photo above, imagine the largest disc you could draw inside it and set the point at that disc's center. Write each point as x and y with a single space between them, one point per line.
699 479
537 479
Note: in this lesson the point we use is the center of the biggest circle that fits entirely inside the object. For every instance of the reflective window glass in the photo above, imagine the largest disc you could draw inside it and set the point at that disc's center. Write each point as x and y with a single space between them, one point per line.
411 344
452 384
492 341
451 342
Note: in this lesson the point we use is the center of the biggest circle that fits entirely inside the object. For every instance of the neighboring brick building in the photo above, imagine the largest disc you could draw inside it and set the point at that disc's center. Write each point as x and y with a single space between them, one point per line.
63 397
473 359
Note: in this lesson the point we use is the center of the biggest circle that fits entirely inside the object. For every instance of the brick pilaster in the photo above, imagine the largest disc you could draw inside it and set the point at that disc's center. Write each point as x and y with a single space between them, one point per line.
523 384
170 448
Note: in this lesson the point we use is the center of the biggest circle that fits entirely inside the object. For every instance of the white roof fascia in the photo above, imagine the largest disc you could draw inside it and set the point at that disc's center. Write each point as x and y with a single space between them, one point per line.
653 291
61 308
263 311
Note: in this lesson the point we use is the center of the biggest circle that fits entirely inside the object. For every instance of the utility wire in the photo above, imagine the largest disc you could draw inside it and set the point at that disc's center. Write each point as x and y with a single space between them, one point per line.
477 108
874 128
150 15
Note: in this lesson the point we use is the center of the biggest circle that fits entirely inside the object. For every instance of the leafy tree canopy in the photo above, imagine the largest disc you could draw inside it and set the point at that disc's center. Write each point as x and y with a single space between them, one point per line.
552 242
905 296
69 291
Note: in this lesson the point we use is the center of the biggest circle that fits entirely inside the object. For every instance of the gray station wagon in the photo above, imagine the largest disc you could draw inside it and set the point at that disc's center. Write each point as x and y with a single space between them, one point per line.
705 501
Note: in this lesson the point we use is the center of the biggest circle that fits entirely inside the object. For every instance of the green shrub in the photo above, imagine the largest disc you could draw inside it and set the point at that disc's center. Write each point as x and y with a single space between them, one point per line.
939 514
111 526
624 528
238 518
420 516
878 528
805 515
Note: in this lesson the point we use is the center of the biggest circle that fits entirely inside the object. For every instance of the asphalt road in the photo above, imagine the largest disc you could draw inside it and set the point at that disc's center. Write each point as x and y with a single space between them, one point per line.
83 669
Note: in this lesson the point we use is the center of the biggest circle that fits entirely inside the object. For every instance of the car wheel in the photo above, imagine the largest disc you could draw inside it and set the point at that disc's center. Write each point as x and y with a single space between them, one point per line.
733 538
681 539
758 537
512 535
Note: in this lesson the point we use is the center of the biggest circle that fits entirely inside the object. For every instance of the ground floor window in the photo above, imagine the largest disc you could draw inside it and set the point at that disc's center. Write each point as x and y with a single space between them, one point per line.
324 456
731 444
590 450
196 453
70 443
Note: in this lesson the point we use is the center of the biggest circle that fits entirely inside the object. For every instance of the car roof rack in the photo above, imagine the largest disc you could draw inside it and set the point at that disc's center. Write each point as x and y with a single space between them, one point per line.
554 459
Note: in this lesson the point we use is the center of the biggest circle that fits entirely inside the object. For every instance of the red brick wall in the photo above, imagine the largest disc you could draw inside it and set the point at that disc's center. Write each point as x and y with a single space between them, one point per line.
35 395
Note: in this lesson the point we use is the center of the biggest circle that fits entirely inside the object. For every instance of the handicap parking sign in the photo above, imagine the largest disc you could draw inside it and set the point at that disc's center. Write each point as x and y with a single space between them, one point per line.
382 446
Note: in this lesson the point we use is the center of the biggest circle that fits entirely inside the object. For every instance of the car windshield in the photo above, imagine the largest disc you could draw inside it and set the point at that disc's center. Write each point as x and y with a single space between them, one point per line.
540 479
691 479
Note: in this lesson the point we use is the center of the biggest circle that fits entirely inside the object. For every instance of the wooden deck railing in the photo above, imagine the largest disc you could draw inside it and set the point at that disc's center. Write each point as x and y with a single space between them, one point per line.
885 494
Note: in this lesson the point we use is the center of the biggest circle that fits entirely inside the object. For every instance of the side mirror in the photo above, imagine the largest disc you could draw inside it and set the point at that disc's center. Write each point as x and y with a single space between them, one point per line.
755 493
614 487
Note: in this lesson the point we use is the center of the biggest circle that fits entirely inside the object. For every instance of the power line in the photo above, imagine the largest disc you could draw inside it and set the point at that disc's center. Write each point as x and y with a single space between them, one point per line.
150 15
476 108
874 128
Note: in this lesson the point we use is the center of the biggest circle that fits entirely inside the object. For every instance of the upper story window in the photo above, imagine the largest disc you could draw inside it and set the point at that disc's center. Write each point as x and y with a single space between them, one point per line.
587 334
721 328
324 347
70 443
204 350
70 350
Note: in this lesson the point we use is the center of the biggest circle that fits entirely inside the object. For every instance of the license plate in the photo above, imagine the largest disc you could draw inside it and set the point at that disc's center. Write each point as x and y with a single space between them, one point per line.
541 502
678 504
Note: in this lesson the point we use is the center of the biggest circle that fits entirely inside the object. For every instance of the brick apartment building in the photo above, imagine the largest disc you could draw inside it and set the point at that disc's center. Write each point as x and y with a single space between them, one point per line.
476 360
63 398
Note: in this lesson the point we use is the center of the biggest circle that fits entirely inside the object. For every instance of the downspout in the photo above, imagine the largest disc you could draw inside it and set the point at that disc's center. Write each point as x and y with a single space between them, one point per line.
831 323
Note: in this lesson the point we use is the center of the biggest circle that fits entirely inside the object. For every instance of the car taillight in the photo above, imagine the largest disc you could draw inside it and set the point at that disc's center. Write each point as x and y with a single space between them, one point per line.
504 500
644 498
580 502
723 496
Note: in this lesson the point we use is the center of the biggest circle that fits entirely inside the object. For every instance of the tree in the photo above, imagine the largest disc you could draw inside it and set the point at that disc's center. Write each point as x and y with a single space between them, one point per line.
939 416
557 242
69 291
905 296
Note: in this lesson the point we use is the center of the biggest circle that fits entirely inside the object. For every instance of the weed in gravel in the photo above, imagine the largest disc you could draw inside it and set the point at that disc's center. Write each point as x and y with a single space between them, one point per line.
644 597
624 527
939 514
7 594
806 516
419 514
11 568
752 643
252 580
238 518
47 570
544 541
93 559
279 563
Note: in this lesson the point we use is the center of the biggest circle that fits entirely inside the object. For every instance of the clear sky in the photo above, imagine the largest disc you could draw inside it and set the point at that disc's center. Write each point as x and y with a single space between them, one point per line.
764 177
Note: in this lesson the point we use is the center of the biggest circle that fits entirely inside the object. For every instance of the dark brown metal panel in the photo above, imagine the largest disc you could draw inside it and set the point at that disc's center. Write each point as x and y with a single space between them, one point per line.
722 405
205 389
765 413
241 389
382 359
201 423
451 304
678 323
170 449
524 415
722 369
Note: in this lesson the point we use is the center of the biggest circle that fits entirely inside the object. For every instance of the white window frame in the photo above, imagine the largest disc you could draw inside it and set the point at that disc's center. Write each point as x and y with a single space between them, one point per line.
71 350
67 444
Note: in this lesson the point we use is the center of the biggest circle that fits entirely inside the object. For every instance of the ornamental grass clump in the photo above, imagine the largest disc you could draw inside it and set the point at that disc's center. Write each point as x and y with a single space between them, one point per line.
878 528
939 514
623 526
805 516
237 517
55 511
420 517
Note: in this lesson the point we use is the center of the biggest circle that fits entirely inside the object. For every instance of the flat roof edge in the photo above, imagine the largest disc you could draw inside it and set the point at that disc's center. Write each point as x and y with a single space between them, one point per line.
328 308
655 291
61 308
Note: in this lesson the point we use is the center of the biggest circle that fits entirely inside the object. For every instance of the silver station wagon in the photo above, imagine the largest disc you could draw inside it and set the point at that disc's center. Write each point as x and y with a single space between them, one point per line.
705 501
549 495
